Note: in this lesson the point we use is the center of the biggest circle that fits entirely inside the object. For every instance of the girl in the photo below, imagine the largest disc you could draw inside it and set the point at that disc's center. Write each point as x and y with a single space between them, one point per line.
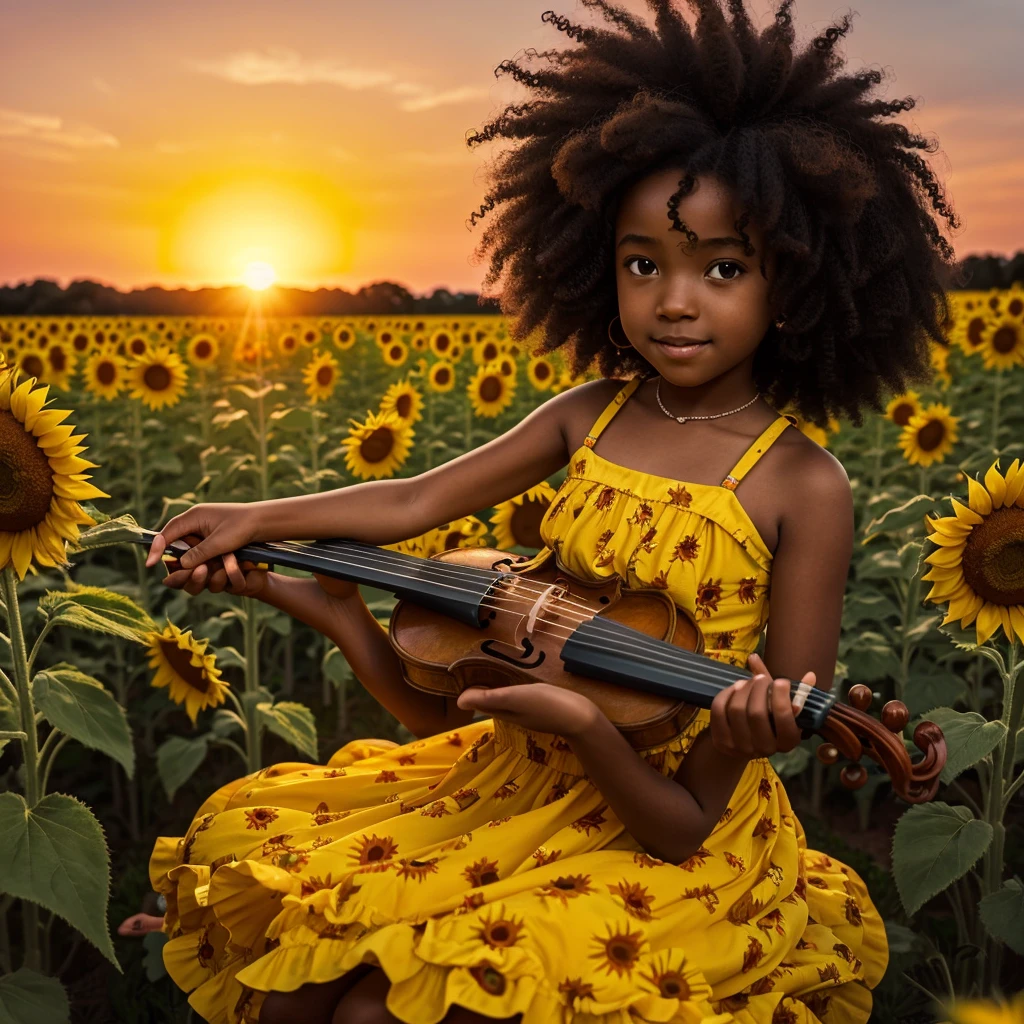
728 228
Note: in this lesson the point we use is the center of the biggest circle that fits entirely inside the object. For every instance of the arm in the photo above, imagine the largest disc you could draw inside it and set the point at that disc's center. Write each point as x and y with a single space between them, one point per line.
388 511
350 624
808 583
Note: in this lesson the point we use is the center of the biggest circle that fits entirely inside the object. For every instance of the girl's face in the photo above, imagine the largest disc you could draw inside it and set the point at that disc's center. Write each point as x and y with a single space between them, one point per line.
709 291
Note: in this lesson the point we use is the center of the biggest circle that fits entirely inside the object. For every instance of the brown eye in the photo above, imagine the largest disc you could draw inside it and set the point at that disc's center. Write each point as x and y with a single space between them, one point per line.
729 263
634 259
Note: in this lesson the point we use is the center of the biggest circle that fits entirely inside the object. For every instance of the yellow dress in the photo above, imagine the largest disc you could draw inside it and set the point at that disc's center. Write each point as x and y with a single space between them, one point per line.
481 867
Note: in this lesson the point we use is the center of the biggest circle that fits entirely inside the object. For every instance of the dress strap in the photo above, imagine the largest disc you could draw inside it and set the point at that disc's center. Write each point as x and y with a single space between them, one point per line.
755 451
610 410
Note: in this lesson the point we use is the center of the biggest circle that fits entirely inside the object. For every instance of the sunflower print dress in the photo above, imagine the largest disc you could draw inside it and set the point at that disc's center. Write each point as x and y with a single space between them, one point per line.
481 867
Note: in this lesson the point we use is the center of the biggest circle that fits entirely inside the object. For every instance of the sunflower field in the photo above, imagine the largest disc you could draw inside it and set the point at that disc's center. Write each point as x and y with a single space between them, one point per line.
123 703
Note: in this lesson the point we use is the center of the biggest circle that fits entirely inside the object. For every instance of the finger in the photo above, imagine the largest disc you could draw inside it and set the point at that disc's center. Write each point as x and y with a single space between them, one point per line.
234 573
175 529
192 587
787 732
736 712
758 667
156 549
721 734
763 741
218 580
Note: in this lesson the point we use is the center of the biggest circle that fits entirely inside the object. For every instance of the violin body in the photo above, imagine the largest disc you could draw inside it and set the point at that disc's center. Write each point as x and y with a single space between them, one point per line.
443 656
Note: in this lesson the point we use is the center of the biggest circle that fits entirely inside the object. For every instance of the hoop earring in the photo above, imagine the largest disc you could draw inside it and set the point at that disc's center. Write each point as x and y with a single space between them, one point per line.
611 339
779 323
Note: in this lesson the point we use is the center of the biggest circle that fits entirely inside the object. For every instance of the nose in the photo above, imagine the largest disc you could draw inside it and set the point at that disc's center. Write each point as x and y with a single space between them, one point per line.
677 300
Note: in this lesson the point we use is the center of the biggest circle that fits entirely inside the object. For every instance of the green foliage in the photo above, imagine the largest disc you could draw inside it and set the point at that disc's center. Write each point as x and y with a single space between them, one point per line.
177 758
910 513
934 845
55 854
969 738
98 609
30 998
82 708
1003 914
293 722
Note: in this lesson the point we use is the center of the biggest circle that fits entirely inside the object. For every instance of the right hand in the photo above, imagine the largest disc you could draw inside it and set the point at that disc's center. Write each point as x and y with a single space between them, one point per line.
222 528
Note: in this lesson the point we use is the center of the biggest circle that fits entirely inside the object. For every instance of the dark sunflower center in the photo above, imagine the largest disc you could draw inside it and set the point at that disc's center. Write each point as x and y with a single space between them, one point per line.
105 373
974 329
442 376
203 350
324 376
32 365
404 405
490 389
180 662
542 371
157 377
396 352
525 523
1015 307
137 346
26 479
58 360
930 436
1005 339
994 557
378 445
902 413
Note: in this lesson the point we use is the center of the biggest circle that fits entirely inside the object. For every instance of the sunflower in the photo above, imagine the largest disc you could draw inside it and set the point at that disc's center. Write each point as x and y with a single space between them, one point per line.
984 1011
42 478
441 342
486 351
902 407
442 376
202 351
1014 304
320 376
420 343
384 337
395 353
404 399
60 364
929 436
31 362
978 566
967 330
490 392
378 446
344 337
288 343
540 371
182 665
158 378
81 343
136 346
817 434
466 532
105 374
310 335
1002 342
516 522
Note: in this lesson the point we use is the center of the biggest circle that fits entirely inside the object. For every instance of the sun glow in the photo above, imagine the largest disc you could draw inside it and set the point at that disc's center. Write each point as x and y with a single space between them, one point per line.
259 275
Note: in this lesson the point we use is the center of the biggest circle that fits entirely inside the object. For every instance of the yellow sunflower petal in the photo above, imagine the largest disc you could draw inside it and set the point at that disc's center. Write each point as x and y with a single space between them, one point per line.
1014 485
988 621
946 557
995 484
965 514
945 541
1017 619
978 498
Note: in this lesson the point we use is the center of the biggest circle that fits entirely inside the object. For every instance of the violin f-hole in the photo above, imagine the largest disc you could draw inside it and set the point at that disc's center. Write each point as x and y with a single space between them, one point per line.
488 648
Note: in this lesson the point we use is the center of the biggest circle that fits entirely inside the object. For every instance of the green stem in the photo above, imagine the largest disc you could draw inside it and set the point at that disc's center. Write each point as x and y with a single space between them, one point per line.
139 505
252 683
876 475
314 448
54 751
29 745
223 741
47 626
430 433
997 394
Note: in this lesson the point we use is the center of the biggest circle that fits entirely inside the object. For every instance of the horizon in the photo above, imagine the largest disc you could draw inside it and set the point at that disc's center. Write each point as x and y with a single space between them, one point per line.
344 164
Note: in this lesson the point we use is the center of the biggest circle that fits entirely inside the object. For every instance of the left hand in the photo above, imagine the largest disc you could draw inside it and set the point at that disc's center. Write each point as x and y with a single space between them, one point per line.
743 714
539 706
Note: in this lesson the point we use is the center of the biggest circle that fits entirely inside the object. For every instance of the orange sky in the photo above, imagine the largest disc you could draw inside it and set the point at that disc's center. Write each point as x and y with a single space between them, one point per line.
171 144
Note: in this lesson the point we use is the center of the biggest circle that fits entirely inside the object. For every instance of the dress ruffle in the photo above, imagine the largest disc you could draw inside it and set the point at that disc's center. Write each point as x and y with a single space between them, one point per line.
481 868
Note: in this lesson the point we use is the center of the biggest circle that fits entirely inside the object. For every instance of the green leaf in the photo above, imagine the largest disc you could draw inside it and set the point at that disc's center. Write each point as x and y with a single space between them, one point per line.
107 533
30 998
880 565
335 666
963 639
867 605
901 939
177 759
79 705
1002 912
294 723
870 657
969 738
98 609
910 558
153 961
935 844
924 625
54 854
790 763
910 513
932 688
225 722
9 719
293 418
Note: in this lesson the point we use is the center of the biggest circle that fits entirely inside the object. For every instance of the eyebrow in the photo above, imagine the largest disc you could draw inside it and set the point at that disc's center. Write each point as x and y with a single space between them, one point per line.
703 244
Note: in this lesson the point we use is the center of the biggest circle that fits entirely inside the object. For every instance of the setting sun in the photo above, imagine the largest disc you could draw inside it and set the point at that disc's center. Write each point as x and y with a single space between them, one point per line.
259 275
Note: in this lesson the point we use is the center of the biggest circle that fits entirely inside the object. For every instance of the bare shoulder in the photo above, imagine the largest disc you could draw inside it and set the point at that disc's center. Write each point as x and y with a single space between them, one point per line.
812 476
586 403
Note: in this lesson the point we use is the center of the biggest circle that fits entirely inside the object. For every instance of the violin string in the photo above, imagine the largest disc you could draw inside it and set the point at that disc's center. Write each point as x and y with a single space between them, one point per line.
699 666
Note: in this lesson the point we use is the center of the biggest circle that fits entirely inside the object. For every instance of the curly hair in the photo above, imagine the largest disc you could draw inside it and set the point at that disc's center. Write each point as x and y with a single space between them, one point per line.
841 196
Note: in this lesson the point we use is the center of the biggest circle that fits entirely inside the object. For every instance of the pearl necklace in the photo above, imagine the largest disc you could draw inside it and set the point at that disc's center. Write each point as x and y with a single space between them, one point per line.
683 419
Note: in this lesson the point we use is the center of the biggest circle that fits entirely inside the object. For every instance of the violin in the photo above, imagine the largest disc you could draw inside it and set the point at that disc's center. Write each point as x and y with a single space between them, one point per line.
478 617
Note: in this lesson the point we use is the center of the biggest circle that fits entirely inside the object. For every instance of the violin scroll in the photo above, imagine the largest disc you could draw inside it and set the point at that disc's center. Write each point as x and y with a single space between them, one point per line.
853 733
